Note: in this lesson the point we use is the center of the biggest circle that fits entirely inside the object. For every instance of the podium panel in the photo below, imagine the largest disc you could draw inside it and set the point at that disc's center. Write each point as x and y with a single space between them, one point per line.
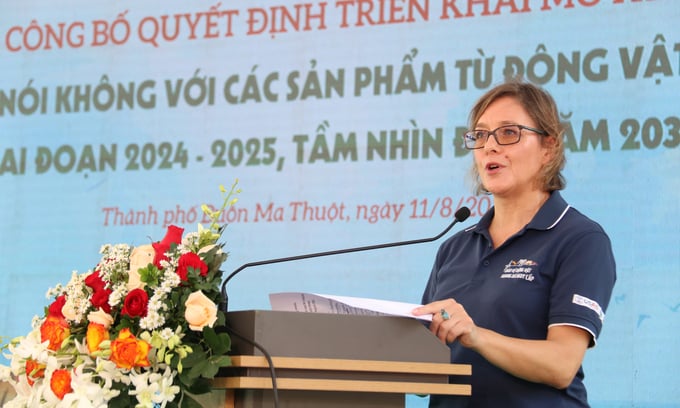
329 361
319 335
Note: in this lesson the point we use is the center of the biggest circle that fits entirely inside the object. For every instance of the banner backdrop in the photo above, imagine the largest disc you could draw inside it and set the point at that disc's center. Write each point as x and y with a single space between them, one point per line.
341 120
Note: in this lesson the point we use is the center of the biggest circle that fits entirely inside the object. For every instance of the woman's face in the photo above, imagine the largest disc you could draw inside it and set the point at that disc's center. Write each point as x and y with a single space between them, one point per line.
509 170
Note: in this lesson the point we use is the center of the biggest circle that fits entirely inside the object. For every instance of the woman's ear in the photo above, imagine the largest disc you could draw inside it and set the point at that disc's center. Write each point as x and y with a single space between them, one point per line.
549 146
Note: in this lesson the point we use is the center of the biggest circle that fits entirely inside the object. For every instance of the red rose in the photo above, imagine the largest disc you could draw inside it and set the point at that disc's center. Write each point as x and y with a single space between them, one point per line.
56 306
135 304
94 281
172 236
190 260
100 299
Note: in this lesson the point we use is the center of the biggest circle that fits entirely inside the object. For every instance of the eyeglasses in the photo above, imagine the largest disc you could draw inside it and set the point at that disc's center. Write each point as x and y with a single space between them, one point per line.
504 135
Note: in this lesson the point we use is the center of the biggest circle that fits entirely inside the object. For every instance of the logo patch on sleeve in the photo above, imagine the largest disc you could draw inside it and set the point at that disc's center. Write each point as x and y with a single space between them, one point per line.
590 304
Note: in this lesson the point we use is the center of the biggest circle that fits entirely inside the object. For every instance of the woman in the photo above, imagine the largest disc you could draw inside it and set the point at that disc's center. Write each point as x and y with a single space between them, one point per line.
521 295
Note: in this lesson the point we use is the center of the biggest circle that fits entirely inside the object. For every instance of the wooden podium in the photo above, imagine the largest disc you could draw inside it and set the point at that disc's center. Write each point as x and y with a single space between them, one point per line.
329 361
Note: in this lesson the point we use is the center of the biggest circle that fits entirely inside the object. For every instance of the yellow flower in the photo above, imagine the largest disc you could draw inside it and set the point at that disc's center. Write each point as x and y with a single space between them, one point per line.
127 351
96 333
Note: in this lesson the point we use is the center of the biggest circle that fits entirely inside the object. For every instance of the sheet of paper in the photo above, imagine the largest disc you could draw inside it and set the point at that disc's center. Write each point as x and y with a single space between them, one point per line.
319 303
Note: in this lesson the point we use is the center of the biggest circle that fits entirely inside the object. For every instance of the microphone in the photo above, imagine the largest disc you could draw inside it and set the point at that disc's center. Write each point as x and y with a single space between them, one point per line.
461 215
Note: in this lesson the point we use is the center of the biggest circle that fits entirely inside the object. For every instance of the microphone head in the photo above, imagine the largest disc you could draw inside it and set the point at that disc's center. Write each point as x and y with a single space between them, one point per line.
462 214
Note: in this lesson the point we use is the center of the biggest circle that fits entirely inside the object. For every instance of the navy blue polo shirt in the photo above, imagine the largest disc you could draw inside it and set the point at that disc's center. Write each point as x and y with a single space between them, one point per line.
558 270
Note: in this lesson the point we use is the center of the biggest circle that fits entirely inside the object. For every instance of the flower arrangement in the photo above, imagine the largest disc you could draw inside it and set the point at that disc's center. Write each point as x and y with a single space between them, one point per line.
137 330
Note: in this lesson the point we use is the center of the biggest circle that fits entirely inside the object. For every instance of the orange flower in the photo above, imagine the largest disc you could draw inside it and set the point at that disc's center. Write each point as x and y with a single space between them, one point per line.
34 370
128 352
56 330
61 383
96 333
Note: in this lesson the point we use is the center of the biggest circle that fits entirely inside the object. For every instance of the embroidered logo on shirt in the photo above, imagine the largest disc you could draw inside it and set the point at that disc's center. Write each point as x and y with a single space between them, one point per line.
522 269
590 304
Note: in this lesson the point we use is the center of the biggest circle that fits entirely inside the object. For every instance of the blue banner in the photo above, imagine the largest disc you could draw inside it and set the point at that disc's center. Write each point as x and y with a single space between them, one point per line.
342 122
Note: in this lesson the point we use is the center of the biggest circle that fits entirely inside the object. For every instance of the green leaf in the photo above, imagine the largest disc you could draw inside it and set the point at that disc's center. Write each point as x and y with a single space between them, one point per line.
197 356
122 400
200 386
149 274
221 320
198 369
219 344
188 402
211 337
225 340
211 369
119 402
221 361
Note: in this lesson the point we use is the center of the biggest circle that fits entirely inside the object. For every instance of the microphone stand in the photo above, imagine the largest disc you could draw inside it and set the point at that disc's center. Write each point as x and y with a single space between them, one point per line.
461 215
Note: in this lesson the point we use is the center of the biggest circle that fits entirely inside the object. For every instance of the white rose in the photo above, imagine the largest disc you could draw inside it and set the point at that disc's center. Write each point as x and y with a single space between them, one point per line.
100 317
68 311
200 311
140 257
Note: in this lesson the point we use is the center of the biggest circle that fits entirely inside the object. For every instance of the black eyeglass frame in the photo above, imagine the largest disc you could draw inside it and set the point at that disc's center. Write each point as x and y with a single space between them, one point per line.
471 134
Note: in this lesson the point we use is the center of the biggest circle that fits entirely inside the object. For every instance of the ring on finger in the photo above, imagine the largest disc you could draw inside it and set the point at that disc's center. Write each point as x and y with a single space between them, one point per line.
444 314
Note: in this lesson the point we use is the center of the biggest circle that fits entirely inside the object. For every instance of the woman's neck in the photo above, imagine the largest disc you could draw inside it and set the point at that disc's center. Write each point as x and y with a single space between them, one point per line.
511 215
